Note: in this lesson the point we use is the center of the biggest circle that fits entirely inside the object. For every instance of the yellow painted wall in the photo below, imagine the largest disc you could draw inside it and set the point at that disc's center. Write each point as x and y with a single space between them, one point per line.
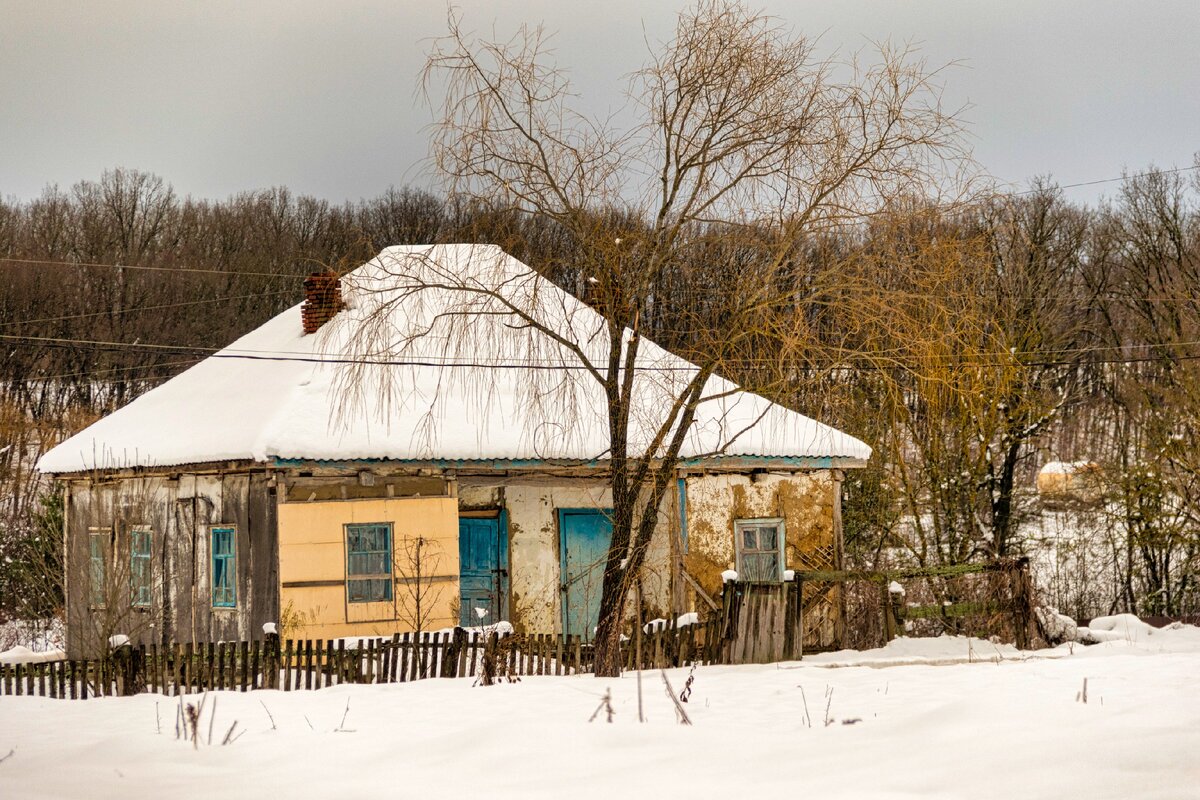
312 547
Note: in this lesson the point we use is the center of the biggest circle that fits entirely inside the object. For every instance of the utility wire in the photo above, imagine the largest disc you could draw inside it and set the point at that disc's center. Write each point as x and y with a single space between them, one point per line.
234 273
146 268
292 356
136 309
1109 180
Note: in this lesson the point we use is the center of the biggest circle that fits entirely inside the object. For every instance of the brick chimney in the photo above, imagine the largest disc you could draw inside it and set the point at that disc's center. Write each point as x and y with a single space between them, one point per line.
322 299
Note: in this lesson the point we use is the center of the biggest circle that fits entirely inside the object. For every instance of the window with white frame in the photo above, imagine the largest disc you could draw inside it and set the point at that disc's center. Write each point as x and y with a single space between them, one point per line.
99 542
759 550
139 565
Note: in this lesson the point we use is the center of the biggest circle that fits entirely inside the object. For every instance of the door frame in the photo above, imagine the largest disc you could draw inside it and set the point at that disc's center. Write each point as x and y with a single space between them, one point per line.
504 579
560 515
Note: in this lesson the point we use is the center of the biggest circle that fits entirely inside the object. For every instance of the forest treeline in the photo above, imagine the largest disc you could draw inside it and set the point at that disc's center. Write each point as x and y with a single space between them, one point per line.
968 345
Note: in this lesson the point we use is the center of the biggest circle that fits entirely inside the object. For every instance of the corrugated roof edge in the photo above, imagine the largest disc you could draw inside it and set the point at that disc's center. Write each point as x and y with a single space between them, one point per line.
722 462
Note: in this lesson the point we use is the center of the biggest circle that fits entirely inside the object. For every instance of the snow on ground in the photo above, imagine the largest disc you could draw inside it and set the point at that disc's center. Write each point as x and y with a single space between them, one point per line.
38 635
990 729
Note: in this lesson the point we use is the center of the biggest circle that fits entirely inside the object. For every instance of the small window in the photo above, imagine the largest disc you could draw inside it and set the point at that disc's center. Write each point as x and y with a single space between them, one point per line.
98 543
224 567
139 566
369 563
759 550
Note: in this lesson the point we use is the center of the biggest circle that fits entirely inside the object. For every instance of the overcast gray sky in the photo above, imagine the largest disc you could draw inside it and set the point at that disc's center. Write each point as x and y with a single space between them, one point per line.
319 96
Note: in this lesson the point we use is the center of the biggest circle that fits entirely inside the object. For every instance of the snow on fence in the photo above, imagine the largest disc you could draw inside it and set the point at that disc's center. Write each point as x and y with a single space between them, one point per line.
294 664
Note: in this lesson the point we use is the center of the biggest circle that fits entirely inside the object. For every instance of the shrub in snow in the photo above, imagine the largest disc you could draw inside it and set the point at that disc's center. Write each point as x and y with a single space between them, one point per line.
269 628
118 640
1056 627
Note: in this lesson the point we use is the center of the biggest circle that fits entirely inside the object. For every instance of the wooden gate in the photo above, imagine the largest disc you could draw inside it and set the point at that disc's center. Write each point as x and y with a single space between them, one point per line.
762 623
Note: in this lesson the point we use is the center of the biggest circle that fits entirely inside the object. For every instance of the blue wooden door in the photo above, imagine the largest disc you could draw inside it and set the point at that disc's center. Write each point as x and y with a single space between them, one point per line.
483 571
585 537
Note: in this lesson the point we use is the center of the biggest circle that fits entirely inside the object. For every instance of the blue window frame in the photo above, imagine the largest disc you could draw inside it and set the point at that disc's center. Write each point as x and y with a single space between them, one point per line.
224 567
139 566
759 550
369 562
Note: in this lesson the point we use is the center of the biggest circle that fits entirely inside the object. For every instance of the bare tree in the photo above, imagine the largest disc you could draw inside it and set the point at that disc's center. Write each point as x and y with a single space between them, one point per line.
416 564
742 142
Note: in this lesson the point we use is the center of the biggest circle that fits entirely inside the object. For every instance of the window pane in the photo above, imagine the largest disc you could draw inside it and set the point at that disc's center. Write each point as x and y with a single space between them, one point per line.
368 552
139 566
748 539
98 566
224 567
760 567
767 539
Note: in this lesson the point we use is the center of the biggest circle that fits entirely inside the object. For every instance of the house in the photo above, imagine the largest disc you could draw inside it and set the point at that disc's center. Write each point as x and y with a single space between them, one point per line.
399 452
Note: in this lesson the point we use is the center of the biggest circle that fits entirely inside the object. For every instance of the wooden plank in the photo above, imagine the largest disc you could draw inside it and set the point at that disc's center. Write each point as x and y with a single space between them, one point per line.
160 664
286 660
331 663
244 678
461 639
405 654
150 666
340 662
419 655
308 664
181 656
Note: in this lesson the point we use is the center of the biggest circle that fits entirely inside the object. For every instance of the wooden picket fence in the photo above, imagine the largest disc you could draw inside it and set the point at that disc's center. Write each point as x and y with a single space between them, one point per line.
293 664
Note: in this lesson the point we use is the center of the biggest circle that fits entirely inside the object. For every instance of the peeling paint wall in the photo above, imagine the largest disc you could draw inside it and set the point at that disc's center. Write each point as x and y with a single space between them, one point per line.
806 501
533 545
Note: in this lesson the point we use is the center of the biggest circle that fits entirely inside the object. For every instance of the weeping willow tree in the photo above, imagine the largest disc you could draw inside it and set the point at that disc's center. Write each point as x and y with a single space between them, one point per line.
739 142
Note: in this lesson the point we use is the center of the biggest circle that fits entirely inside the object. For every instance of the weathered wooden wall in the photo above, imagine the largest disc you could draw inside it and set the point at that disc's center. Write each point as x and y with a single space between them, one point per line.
179 509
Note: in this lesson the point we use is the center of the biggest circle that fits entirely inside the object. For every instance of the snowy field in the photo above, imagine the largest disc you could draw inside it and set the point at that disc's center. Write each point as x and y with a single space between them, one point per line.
971 721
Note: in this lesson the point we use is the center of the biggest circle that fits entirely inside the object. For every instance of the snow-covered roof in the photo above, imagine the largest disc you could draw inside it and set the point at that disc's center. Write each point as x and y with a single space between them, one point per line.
463 379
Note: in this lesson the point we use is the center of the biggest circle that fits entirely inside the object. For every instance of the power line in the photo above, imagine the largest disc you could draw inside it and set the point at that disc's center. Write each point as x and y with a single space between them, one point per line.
128 368
1111 180
135 309
529 364
146 268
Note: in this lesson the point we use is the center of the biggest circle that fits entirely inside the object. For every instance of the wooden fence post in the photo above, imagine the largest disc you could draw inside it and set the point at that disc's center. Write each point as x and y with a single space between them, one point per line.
450 660
271 661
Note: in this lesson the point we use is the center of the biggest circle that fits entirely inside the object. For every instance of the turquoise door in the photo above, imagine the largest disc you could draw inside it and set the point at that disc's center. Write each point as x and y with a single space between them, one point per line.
585 537
483 571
